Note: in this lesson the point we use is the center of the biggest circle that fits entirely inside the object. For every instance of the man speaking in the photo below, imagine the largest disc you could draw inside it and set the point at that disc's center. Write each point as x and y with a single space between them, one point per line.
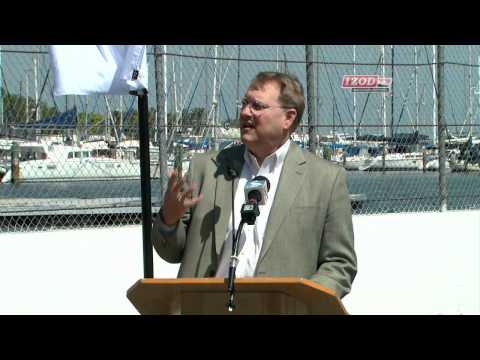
303 226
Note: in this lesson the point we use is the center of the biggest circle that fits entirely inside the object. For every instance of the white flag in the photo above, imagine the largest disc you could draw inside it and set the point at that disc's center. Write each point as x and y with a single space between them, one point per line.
98 69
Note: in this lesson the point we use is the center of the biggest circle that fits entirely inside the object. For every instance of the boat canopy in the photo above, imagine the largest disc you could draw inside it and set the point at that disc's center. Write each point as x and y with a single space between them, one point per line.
65 120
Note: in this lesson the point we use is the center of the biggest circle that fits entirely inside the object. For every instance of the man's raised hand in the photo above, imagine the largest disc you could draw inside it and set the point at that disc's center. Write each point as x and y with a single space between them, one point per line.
178 198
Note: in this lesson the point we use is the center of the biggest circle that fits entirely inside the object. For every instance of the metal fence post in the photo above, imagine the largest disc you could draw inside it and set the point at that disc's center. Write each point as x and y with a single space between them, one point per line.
312 129
442 128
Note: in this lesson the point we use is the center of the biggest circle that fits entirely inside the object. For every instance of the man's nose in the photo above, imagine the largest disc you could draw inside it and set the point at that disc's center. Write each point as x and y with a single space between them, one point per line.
246 110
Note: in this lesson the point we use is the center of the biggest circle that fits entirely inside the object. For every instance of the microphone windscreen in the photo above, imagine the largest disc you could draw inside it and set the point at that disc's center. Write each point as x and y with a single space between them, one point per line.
263 178
257 190
231 173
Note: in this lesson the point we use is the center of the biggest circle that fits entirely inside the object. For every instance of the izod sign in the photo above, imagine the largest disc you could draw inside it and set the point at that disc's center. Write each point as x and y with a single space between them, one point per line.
366 83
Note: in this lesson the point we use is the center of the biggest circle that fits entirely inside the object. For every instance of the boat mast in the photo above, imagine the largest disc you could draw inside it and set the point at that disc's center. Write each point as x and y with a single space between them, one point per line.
161 138
180 83
107 122
121 118
74 132
238 81
285 65
434 91
35 79
86 118
111 120
478 84
204 131
165 108
277 62
174 84
214 97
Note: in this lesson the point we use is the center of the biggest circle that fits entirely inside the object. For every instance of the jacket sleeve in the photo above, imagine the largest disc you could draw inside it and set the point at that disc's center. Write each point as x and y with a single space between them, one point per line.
170 243
337 261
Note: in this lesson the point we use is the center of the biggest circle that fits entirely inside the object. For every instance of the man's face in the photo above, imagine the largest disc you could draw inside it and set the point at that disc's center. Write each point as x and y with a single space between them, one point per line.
264 123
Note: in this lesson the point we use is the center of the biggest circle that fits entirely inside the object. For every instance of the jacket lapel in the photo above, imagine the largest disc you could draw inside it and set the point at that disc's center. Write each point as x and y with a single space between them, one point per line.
290 182
223 193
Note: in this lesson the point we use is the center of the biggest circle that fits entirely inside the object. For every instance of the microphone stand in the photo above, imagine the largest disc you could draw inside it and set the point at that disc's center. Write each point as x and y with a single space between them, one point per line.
233 267
249 214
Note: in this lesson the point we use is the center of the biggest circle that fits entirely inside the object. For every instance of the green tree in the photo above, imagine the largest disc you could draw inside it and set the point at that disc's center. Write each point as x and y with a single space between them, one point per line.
14 107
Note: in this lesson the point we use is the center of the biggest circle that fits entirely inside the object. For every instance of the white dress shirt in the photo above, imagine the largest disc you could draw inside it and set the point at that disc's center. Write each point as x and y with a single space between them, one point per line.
251 240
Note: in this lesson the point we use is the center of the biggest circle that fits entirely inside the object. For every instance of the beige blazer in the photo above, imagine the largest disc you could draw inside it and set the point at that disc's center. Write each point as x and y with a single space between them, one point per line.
309 232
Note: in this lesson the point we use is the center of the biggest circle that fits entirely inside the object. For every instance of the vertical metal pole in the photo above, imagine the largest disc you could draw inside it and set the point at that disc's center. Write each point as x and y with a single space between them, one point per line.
442 128
392 93
121 119
334 130
1 92
85 132
214 100
277 62
15 162
237 99
207 82
145 183
165 97
35 79
354 97
181 82
174 85
161 119
26 98
312 130
415 59
317 89
219 94
435 97
470 87
384 96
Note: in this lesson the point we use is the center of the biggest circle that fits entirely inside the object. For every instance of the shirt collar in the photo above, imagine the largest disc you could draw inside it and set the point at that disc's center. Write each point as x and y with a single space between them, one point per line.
274 159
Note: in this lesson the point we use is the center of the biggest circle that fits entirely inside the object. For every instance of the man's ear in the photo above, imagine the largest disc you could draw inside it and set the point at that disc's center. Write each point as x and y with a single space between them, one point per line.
290 118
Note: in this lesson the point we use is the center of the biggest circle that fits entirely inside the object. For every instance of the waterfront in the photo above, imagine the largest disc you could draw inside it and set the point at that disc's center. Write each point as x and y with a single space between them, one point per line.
392 192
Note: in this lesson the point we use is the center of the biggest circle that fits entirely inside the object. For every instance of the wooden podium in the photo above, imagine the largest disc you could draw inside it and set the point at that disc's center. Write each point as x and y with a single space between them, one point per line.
253 296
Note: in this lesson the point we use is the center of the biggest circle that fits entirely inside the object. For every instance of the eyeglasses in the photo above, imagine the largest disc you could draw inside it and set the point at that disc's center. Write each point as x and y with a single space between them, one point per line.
258 106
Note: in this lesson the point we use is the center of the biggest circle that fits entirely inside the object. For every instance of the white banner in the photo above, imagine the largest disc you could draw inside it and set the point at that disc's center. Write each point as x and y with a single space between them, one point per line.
98 69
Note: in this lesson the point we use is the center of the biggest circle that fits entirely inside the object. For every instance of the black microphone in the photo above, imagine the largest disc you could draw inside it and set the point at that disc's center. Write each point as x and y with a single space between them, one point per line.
256 190
256 193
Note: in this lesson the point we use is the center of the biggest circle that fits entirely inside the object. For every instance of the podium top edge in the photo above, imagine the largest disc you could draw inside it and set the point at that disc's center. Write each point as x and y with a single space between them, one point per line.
238 281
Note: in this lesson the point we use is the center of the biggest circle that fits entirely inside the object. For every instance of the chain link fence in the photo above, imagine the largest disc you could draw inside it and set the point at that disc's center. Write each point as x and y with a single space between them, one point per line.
73 161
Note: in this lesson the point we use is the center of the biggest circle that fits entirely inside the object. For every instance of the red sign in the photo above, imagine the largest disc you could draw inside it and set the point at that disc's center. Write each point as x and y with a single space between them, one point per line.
372 82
